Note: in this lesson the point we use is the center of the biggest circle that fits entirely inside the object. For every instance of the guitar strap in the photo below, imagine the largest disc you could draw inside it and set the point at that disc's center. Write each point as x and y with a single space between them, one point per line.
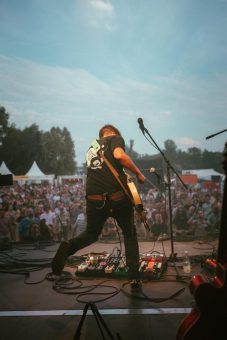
116 175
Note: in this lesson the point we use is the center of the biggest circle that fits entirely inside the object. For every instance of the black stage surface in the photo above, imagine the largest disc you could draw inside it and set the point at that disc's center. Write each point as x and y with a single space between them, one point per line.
34 306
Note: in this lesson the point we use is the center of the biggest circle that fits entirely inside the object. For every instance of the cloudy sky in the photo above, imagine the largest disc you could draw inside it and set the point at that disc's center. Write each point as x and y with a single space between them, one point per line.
85 63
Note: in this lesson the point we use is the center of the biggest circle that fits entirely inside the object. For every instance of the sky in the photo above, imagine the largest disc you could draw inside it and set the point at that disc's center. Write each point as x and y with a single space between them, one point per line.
81 64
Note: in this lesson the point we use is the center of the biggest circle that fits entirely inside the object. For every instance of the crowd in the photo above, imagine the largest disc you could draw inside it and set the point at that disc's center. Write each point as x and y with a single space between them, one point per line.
33 212
41 212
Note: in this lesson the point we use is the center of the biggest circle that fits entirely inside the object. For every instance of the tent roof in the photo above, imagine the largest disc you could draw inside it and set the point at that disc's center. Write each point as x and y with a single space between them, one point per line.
35 171
203 173
4 170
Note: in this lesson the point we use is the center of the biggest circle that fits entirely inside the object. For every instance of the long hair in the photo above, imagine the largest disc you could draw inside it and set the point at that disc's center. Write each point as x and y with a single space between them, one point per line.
108 127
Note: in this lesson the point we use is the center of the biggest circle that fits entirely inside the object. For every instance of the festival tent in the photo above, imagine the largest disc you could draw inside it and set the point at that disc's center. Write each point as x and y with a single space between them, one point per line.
6 176
4 170
35 175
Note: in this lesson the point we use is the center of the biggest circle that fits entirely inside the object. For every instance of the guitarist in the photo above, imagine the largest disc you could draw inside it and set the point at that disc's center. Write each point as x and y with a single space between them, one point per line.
106 197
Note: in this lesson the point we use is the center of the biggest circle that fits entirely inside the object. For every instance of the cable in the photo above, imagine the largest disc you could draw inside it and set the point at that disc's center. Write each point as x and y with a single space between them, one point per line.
65 284
112 293
143 296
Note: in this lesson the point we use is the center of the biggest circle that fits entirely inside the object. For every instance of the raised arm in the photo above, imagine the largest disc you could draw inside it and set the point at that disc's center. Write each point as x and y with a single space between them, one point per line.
127 163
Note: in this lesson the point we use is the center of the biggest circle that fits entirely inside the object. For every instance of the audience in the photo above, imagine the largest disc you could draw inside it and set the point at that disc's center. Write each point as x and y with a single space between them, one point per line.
57 212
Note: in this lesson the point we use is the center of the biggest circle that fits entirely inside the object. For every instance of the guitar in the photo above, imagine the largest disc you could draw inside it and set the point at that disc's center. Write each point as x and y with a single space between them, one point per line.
208 318
136 200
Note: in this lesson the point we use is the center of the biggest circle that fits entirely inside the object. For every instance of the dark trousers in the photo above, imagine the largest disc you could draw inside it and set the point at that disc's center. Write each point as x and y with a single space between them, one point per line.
97 214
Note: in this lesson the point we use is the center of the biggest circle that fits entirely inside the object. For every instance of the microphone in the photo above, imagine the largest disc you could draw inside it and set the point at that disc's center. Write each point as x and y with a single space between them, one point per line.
141 126
153 171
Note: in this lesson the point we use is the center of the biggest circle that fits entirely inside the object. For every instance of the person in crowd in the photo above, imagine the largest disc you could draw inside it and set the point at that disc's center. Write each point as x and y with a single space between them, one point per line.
29 227
50 218
214 219
106 198
44 231
159 227
5 236
74 210
206 205
80 224
12 223
199 224
62 223
181 225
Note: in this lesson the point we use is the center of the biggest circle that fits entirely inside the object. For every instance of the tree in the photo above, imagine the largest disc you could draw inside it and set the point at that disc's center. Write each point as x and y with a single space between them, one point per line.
53 150
170 150
195 154
129 149
4 123
14 151
57 152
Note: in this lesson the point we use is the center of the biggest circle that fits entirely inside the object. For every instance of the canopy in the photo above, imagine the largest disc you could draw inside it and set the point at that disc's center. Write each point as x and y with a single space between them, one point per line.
34 171
35 175
4 170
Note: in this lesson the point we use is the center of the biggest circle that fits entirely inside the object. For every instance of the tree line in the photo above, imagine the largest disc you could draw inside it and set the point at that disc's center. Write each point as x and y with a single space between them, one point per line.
193 158
54 150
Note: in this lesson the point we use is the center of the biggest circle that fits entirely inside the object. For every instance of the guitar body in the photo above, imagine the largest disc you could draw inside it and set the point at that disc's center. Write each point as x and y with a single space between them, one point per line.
208 319
138 204
134 192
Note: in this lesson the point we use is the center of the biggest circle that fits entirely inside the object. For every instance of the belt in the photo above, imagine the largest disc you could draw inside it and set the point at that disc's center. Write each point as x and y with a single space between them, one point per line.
116 196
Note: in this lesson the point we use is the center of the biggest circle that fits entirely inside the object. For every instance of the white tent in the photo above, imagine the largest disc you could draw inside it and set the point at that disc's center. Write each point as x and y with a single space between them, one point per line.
35 175
4 170
35 171
204 174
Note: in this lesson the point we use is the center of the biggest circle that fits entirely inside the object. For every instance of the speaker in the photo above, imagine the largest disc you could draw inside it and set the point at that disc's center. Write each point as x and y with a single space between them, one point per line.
6 180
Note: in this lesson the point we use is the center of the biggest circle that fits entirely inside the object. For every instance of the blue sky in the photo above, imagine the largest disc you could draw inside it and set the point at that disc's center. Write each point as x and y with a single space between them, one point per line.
85 63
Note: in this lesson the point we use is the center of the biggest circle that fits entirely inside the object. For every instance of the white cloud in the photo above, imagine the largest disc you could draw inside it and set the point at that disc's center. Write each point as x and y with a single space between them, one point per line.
167 113
103 6
99 14
186 142
170 107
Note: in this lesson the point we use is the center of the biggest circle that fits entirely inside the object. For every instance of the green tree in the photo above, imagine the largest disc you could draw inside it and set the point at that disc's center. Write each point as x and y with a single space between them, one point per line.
195 155
129 149
57 152
170 150
53 150
4 118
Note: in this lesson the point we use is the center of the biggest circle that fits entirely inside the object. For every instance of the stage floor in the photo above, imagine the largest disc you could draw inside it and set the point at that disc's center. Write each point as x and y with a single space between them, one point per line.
33 306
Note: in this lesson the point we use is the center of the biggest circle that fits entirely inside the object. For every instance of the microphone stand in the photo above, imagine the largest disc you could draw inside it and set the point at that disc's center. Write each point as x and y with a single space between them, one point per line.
215 134
169 167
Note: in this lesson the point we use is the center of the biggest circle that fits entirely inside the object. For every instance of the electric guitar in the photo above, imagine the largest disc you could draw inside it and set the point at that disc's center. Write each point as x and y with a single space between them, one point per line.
136 200
208 319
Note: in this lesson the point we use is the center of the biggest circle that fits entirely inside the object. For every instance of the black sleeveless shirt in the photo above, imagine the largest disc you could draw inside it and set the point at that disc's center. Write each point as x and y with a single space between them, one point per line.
99 178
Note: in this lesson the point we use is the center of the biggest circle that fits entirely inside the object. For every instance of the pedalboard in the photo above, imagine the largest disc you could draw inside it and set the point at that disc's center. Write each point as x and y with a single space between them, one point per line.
152 266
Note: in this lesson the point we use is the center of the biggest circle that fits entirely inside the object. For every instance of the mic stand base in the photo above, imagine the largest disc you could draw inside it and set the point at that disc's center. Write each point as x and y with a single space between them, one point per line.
99 320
